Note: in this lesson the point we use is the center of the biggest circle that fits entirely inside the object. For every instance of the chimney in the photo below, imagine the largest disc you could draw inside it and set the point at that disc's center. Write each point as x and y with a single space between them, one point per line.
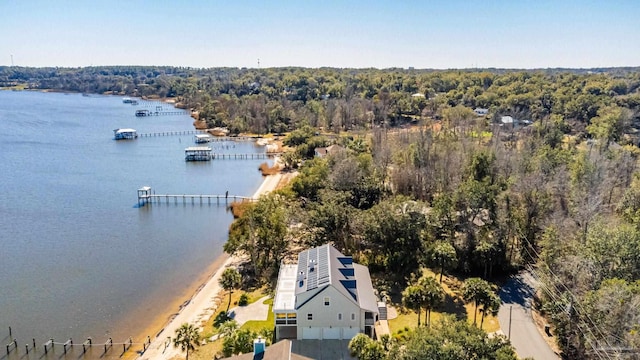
259 346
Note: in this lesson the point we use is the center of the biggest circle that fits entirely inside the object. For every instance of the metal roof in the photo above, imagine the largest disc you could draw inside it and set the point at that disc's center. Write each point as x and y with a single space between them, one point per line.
325 265
119 131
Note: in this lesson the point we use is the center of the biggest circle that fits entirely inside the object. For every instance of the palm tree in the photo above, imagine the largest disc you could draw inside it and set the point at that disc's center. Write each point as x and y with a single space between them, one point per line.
412 298
432 296
490 306
187 338
230 280
476 290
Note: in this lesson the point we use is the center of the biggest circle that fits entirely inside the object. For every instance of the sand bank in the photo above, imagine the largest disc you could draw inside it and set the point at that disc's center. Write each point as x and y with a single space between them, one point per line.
205 302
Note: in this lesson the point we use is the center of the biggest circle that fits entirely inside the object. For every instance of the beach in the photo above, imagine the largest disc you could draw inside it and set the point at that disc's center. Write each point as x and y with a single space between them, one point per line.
204 302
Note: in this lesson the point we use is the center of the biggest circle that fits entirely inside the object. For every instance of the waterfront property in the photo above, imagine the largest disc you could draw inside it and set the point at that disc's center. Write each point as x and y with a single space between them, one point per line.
197 153
324 296
125 134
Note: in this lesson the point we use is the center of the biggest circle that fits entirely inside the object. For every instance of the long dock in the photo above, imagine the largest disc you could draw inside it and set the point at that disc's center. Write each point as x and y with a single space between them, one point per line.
146 196
244 156
172 133
144 112
197 132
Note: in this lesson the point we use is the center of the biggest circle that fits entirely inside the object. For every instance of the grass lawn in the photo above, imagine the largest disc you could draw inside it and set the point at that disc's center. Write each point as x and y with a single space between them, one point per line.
212 348
453 305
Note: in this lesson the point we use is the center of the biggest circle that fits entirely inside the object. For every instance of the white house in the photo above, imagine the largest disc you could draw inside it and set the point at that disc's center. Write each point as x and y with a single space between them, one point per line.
324 296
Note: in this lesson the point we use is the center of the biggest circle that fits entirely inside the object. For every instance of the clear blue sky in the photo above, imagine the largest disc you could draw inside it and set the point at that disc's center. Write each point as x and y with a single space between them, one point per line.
422 34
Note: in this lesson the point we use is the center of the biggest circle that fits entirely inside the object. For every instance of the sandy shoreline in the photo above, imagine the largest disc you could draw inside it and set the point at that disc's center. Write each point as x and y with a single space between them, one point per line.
207 298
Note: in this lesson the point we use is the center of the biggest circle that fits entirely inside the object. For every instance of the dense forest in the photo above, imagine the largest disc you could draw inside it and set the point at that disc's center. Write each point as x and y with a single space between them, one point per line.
432 184
277 100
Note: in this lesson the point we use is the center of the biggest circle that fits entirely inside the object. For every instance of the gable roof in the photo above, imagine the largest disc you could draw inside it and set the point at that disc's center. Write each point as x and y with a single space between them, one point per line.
328 150
324 265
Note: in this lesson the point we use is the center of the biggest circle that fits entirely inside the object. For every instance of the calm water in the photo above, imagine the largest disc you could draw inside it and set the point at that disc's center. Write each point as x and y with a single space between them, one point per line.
77 258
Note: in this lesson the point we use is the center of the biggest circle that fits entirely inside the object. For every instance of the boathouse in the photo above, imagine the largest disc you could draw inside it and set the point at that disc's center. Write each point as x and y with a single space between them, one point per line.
143 112
197 153
202 138
125 134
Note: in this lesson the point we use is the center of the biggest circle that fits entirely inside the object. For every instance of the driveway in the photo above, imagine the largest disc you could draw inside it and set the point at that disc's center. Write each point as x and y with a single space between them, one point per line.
517 297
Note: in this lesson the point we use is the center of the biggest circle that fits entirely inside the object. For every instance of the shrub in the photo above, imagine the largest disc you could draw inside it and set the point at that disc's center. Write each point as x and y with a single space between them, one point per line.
244 300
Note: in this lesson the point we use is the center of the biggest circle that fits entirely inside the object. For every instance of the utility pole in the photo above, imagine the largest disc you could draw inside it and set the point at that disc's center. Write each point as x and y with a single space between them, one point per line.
510 310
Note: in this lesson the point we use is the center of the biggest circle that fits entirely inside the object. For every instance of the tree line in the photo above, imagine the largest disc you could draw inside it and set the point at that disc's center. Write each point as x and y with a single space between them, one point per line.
278 100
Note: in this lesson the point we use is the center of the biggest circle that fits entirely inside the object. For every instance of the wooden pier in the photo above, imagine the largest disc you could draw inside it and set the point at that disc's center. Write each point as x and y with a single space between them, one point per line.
173 133
197 132
251 156
145 112
146 196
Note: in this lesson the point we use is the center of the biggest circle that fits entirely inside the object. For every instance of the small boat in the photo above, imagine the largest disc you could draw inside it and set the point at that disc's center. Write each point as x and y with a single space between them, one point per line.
125 134
127 100
134 102
202 138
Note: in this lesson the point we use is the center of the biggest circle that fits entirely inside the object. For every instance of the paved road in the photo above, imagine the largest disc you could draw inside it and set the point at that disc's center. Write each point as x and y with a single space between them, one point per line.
516 296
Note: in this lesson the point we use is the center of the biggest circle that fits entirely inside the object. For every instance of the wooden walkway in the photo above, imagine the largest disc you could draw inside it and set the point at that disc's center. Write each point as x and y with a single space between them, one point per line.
197 132
244 156
171 133
190 198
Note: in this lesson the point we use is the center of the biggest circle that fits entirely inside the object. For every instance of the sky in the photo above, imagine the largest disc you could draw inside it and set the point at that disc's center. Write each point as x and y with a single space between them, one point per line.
345 34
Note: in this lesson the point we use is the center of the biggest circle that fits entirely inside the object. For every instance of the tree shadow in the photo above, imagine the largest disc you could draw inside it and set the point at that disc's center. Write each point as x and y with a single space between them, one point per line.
517 291
220 319
454 305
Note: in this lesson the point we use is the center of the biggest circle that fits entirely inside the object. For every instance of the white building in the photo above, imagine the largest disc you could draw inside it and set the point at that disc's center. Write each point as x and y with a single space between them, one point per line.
324 296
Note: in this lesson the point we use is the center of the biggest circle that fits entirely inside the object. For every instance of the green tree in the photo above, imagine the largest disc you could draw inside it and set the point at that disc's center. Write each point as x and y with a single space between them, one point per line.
450 339
444 255
433 296
230 280
477 291
490 306
261 233
609 125
187 338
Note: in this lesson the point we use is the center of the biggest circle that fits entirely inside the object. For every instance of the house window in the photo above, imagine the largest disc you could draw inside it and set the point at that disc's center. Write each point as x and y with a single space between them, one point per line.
353 317
326 301
339 316
309 316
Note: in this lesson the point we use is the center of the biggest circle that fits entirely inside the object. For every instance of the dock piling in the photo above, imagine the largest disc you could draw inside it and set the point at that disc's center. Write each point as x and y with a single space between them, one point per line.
12 345
47 344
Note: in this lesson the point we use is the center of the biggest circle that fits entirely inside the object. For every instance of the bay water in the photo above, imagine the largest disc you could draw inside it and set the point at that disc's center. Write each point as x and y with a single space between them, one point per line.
78 258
